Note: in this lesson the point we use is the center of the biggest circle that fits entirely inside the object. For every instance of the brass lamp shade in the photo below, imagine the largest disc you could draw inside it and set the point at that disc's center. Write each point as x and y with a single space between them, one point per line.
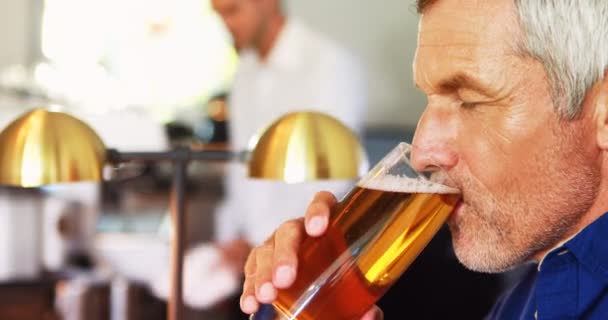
43 147
306 146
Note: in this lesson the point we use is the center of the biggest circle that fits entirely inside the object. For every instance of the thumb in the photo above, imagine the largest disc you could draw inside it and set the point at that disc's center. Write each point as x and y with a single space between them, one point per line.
374 314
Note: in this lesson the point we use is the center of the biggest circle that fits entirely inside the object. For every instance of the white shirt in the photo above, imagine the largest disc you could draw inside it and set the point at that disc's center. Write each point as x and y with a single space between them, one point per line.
304 71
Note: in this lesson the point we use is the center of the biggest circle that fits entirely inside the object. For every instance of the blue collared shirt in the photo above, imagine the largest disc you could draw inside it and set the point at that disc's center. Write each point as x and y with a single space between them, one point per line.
571 282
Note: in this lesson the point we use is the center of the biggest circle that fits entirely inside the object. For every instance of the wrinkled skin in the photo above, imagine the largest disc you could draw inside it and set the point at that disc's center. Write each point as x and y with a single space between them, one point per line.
529 179
499 136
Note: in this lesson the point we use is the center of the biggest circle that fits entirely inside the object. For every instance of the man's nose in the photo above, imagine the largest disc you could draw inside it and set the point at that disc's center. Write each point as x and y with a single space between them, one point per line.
434 144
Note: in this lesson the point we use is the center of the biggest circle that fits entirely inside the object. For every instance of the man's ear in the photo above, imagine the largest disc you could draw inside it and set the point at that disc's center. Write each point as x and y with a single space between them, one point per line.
601 112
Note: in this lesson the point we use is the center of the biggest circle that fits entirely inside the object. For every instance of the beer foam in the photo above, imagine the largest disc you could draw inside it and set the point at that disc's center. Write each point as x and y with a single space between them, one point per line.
405 184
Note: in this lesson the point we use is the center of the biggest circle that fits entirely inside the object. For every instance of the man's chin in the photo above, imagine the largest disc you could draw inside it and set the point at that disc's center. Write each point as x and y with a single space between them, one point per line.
477 256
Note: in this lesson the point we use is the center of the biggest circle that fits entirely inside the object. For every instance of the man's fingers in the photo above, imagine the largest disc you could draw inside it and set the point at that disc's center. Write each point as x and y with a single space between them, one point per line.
248 302
274 264
265 291
317 214
286 246
374 314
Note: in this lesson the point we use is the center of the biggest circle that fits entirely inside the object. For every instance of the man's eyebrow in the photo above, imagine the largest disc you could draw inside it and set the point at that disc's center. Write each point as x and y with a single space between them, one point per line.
463 80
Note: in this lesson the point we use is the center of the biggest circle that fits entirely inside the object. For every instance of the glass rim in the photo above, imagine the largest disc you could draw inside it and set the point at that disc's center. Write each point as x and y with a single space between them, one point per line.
395 173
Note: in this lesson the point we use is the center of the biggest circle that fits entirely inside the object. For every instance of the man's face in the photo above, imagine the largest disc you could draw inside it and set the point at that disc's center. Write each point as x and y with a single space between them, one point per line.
242 18
526 176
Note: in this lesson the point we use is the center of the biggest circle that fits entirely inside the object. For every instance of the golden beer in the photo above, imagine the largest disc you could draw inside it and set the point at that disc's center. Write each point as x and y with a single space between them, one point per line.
375 233
373 237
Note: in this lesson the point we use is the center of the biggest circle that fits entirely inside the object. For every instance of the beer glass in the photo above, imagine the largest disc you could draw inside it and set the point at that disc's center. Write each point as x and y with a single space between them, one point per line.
375 232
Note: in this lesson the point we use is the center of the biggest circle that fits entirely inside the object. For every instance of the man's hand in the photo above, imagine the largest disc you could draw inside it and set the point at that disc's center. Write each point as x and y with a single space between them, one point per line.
274 264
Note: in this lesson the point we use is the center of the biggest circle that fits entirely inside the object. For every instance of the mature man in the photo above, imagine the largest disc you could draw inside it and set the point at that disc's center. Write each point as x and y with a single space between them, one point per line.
518 116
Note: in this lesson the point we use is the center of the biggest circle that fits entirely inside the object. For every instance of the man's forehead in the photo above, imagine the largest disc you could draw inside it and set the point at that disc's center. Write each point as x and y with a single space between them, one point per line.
467 21
464 36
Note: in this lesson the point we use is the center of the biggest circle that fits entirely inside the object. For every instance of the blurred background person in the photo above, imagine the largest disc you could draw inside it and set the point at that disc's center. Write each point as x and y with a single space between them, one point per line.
284 67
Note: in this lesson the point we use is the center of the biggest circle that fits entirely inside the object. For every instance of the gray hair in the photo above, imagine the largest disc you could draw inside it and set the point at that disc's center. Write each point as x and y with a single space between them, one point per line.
570 39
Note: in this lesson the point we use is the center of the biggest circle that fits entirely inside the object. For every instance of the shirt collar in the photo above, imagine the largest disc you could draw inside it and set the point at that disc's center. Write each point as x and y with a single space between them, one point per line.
286 47
590 246
284 53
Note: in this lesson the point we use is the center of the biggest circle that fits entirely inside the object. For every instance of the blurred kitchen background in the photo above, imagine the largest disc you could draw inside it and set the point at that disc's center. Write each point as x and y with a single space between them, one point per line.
151 74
